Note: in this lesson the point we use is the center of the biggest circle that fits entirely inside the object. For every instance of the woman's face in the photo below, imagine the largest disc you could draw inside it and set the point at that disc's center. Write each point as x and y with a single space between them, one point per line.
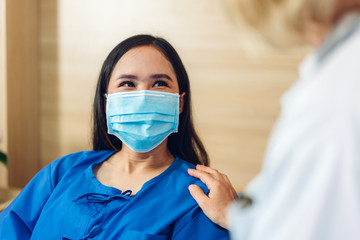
143 68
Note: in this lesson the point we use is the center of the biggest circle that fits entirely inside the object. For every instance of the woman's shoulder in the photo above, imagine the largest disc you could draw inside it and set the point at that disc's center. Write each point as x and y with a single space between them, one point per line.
80 158
183 178
77 162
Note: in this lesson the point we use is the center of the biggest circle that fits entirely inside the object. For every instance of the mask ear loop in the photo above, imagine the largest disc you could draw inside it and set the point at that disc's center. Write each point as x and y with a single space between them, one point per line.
107 135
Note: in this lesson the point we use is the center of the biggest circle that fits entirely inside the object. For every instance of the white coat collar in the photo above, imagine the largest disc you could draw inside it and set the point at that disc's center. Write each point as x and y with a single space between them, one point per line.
347 26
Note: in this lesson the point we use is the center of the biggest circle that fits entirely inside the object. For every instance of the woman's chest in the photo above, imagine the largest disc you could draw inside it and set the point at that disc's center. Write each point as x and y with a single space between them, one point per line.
79 209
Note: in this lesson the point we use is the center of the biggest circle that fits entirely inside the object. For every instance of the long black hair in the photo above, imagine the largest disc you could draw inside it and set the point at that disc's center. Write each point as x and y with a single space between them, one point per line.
185 143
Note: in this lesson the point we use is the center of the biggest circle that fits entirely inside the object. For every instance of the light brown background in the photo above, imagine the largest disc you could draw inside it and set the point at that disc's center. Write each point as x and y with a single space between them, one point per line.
235 97
3 102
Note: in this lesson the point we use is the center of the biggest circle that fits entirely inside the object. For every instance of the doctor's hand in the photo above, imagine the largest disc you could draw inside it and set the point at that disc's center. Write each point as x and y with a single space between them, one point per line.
221 194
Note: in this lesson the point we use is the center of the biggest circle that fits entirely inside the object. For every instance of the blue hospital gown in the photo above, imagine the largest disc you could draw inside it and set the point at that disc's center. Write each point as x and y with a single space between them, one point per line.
66 201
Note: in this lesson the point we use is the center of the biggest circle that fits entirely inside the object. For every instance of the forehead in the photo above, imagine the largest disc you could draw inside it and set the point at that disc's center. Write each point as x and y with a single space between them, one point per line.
144 58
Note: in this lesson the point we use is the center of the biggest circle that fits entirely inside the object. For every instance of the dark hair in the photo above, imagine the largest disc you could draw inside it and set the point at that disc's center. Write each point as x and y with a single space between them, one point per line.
184 144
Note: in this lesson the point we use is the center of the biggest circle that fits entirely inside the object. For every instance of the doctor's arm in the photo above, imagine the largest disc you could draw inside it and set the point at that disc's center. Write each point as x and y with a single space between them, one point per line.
221 194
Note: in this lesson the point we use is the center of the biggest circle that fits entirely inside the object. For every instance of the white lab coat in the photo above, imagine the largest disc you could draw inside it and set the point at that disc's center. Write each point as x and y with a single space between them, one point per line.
309 186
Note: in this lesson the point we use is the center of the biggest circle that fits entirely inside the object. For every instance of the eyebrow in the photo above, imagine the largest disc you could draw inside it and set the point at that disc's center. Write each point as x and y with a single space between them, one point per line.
155 76
127 76
161 75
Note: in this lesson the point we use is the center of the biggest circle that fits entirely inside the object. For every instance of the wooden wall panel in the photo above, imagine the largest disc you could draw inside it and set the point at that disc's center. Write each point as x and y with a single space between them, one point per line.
22 91
235 98
3 102
49 81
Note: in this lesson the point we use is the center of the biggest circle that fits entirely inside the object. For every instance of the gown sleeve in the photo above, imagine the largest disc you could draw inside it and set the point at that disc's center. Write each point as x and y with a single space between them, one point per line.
18 220
195 225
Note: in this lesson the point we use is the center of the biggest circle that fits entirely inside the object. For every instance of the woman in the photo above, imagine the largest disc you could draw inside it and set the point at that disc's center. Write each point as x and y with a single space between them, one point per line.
309 186
134 185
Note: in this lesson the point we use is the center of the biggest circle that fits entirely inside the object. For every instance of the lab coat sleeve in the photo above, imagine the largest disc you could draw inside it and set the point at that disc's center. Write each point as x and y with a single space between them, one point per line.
317 196
18 220
195 225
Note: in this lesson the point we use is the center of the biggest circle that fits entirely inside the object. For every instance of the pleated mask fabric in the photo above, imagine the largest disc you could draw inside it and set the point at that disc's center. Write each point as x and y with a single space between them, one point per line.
142 119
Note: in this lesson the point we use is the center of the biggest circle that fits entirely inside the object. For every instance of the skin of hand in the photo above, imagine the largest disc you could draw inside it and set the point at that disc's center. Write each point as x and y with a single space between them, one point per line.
221 194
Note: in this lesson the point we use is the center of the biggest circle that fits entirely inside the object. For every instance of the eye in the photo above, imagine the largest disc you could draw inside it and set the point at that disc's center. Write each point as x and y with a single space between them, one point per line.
160 84
127 84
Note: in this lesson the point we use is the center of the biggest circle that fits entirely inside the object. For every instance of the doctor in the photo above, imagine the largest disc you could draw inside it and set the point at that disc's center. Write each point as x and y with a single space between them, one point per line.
309 185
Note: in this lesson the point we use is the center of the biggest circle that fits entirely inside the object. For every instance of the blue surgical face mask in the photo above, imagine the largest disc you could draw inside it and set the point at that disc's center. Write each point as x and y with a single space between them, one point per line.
142 119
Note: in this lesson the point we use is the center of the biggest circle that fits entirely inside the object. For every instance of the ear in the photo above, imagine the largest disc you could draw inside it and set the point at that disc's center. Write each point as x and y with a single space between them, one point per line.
181 104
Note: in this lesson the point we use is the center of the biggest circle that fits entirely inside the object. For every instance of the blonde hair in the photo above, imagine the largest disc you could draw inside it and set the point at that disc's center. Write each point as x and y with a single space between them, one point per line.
282 23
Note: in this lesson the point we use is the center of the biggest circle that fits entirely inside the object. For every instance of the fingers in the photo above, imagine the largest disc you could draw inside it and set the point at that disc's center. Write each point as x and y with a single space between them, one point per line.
198 194
213 179
214 207
213 172
230 187
207 169
203 176
226 178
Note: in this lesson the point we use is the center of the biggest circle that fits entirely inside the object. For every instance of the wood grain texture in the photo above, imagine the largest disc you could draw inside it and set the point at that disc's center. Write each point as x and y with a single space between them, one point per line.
22 91
235 97
3 100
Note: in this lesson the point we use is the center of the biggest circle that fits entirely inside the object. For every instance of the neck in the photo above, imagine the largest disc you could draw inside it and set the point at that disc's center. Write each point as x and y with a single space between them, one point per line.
131 162
317 32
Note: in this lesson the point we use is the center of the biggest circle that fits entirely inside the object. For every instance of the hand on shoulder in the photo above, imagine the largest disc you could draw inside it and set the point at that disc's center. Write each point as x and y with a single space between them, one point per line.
221 194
